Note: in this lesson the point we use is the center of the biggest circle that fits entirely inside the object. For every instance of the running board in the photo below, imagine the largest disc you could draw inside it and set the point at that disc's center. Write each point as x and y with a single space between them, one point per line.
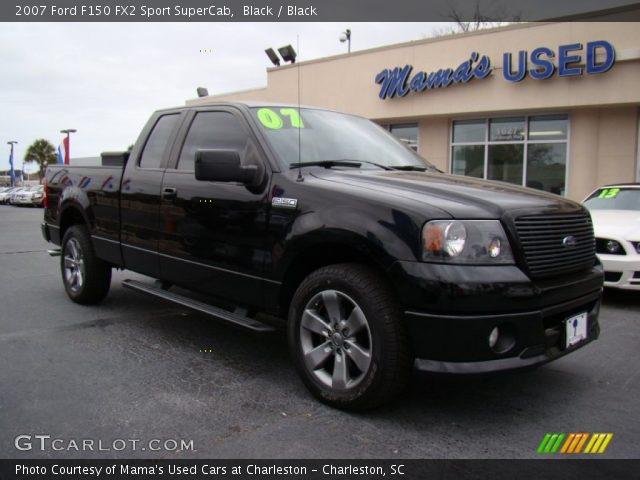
54 252
218 313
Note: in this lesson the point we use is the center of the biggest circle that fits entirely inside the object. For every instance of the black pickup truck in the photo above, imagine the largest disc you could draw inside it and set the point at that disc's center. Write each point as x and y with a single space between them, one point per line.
373 260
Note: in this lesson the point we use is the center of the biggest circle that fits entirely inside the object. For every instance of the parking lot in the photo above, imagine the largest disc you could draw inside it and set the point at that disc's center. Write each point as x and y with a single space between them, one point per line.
135 368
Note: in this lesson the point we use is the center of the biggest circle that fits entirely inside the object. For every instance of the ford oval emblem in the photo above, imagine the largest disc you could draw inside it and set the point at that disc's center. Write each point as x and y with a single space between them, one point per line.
570 241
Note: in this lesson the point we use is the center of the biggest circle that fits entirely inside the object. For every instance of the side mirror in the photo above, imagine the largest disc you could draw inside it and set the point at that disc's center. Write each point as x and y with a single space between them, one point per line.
223 166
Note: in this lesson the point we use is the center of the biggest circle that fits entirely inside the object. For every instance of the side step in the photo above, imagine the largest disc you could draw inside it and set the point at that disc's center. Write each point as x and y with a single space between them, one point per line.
218 313
54 252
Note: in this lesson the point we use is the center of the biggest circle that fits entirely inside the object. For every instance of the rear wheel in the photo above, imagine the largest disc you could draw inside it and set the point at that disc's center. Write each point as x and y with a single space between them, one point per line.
347 337
86 278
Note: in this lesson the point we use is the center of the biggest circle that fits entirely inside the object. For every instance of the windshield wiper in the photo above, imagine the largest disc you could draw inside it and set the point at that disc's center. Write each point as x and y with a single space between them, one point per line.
336 163
326 164
410 168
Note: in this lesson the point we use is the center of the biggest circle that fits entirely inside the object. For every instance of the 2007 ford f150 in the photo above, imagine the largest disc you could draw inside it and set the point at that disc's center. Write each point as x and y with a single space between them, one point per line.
375 261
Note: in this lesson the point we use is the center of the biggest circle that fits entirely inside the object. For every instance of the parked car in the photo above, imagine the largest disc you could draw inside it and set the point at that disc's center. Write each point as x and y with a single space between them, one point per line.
615 210
373 260
22 196
5 195
13 198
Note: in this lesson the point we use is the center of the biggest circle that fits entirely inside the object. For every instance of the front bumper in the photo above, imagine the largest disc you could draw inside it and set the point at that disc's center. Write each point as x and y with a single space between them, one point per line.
451 310
621 271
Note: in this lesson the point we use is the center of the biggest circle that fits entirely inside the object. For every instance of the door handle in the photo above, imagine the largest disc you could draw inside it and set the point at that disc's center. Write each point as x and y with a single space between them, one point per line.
169 193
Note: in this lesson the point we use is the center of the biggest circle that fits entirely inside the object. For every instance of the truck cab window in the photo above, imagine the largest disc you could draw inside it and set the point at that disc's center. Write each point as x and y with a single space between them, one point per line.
157 143
212 130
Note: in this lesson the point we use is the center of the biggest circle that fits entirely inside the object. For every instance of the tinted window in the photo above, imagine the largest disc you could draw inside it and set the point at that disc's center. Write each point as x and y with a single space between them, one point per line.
209 131
157 142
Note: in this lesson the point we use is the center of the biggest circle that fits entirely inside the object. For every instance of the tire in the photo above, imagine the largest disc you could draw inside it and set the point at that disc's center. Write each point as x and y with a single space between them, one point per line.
86 278
366 361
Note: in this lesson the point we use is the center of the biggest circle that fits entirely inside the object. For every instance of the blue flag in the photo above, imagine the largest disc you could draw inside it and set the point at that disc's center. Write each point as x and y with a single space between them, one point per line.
60 157
11 173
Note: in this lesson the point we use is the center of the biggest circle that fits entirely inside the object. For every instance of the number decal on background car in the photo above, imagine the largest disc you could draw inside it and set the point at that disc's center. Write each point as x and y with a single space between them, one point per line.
609 193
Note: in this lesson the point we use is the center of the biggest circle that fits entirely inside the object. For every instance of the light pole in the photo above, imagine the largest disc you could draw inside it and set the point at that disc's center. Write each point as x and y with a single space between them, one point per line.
346 37
67 151
11 174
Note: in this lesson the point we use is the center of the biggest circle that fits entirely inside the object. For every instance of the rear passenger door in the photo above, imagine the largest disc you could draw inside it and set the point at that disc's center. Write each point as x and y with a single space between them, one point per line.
213 233
140 193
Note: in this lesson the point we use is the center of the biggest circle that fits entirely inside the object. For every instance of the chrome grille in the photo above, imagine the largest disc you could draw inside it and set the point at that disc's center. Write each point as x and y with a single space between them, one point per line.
541 239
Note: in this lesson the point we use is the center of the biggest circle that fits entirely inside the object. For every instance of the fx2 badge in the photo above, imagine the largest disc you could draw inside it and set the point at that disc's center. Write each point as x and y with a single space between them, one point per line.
284 202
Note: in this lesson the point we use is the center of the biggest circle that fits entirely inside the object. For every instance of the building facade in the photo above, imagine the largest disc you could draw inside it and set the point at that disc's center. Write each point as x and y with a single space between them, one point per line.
553 106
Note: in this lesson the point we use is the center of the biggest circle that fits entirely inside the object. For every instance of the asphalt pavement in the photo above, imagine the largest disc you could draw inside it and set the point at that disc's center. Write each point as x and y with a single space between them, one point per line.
135 370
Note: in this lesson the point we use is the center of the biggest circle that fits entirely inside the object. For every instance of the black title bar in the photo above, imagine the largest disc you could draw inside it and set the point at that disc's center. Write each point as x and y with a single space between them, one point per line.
316 10
317 469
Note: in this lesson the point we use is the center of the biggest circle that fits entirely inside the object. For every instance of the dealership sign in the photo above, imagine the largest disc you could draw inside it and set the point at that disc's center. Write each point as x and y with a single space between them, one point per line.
539 65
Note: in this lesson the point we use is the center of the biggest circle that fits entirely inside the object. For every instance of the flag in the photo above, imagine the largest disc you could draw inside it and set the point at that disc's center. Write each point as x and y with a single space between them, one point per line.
12 176
65 145
60 156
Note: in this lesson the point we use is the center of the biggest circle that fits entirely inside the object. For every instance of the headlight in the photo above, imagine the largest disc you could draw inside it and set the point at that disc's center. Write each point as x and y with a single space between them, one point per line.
466 241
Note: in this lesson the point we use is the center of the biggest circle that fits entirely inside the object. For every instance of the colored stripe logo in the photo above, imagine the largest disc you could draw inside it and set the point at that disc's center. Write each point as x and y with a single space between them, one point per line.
574 443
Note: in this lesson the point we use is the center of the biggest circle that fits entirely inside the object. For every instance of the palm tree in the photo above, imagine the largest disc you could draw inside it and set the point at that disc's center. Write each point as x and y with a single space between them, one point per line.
43 153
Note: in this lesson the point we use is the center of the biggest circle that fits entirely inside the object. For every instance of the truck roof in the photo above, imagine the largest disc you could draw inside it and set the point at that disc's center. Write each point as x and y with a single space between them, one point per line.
244 103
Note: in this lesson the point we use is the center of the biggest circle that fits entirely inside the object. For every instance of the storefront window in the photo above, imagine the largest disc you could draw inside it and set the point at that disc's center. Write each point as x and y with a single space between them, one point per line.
506 129
525 150
546 166
407 133
465 131
469 160
505 163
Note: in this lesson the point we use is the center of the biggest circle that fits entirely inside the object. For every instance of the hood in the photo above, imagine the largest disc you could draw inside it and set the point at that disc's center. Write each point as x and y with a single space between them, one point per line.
617 223
461 197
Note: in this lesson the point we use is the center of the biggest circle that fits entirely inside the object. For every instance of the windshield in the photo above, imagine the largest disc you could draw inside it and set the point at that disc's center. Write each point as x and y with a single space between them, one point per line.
331 136
614 198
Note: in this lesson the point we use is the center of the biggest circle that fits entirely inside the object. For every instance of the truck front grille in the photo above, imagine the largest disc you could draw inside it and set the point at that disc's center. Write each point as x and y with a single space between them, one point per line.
556 244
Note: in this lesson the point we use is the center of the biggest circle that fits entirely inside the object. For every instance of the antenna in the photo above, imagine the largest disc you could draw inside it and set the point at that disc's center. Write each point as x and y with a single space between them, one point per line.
300 177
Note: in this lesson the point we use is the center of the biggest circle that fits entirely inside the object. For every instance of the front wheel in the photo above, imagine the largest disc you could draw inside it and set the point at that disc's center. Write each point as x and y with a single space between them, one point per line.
86 278
347 337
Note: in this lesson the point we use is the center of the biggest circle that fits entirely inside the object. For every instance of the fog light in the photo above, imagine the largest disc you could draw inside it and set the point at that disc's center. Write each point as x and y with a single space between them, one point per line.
493 337
613 246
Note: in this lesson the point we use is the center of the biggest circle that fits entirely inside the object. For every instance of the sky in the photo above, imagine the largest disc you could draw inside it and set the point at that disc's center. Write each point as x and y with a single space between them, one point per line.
105 79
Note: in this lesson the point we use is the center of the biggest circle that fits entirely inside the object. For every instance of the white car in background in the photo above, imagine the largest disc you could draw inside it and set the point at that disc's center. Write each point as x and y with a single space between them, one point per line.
615 210
5 194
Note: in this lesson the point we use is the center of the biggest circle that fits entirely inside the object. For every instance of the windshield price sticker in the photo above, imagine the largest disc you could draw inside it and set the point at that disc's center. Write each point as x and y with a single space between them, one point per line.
609 193
275 121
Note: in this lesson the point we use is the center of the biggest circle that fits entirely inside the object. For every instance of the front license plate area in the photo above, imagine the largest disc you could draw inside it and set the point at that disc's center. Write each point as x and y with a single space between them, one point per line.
576 329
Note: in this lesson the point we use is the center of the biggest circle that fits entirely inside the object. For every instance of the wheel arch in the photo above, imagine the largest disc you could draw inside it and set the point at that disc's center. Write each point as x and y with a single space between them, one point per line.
315 253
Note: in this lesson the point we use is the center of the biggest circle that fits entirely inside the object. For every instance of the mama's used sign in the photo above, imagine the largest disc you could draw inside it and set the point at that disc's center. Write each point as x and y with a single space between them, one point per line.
539 65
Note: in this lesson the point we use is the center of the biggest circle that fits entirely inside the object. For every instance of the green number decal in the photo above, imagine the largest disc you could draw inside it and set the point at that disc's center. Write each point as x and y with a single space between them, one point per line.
269 118
294 117
609 193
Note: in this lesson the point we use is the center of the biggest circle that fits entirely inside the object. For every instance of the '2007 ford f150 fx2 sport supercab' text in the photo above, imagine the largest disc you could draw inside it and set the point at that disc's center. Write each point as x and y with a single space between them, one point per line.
374 261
